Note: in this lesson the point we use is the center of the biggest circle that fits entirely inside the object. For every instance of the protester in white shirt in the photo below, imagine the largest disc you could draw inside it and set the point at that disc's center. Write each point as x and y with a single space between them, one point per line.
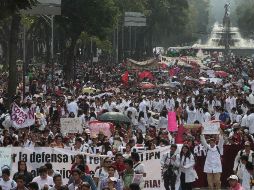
6 182
134 113
250 98
213 165
43 180
78 146
243 174
143 108
191 111
138 167
250 121
72 106
246 151
142 125
251 83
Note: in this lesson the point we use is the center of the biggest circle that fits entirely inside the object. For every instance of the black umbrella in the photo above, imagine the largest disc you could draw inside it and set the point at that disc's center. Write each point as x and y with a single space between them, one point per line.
114 117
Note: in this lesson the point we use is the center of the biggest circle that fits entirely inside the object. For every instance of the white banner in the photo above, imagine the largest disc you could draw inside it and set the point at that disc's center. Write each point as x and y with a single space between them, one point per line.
62 160
5 158
71 125
211 128
21 118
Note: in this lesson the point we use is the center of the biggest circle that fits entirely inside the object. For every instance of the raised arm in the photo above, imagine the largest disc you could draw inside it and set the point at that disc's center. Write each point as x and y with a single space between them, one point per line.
203 140
221 142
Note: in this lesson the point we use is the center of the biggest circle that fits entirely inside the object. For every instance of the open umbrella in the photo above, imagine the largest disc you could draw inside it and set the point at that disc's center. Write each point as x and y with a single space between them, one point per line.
147 85
216 66
221 74
90 90
114 117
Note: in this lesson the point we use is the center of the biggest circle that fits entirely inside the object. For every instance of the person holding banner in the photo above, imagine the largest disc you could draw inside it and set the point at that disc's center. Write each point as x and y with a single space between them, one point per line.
213 165
170 165
44 181
6 183
22 170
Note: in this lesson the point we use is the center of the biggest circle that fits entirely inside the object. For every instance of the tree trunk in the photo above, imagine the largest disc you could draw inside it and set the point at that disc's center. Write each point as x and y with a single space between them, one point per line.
68 67
12 80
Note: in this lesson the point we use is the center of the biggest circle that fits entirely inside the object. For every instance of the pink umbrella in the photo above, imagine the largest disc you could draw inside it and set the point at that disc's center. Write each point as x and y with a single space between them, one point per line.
221 74
147 85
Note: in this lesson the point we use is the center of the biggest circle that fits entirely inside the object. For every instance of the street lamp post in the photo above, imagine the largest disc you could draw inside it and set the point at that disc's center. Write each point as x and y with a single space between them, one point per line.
50 21
24 62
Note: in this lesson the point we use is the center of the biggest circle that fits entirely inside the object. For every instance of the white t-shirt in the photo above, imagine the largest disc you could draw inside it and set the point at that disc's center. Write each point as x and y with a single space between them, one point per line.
102 174
7 185
42 182
139 168
73 107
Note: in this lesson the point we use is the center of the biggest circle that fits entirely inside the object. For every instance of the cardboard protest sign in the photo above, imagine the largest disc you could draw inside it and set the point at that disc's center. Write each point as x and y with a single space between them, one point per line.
211 128
192 126
71 125
97 126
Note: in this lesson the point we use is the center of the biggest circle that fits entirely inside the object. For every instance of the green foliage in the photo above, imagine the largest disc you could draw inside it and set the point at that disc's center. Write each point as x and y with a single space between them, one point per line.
96 17
10 7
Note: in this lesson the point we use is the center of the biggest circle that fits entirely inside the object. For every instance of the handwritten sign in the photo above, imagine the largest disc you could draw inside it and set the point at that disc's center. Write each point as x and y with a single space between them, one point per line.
21 118
211 128
96 127
71 125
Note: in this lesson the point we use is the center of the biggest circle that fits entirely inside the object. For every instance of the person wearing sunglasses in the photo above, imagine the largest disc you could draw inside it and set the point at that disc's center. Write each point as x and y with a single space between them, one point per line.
102 172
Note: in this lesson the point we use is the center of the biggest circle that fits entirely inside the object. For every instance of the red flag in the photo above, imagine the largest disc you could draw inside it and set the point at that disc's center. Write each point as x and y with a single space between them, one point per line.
125 77
172 72
179 136
146 74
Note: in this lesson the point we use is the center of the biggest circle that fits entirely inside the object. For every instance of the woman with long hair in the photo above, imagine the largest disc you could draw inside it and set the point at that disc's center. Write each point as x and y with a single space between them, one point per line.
187 172
140 138
80 160
22 170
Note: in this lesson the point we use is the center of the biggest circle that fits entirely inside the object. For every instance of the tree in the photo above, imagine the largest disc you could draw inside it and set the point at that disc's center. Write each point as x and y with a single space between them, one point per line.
11 8
245 17
95 17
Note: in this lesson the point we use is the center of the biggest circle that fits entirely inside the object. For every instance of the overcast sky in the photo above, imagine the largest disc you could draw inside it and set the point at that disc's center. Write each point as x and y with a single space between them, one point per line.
217 8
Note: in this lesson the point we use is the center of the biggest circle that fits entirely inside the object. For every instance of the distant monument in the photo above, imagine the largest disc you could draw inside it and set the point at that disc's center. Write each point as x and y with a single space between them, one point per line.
226 37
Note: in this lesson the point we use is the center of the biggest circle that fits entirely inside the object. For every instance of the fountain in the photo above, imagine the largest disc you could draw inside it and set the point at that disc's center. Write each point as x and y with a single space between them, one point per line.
216 39
224 38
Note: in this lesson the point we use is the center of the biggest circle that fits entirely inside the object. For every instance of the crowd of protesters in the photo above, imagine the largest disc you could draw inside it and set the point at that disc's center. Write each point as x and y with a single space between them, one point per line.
230 101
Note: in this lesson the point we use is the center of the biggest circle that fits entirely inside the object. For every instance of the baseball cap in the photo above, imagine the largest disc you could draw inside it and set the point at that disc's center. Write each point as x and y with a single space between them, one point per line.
233 177
247 143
